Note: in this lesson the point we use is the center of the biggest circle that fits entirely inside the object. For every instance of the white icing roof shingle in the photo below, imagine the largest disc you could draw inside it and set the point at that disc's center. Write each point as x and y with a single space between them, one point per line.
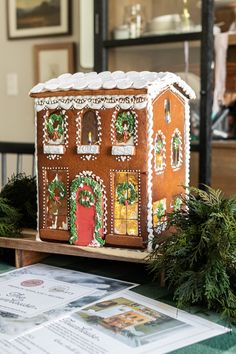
111 80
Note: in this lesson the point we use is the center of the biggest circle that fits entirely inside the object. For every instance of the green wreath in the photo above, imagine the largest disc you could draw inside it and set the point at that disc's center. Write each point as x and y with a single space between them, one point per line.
56 185
125 118
126 193
86 198
57 131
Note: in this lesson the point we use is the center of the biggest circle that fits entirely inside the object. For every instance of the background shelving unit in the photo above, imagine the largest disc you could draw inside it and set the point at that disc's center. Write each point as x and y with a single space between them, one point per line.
102 45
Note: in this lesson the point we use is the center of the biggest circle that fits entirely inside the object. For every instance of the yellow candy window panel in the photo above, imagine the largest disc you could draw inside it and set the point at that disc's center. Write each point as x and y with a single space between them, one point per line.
132 211
119 211
120 227
125 205
132 177
120 177
132 227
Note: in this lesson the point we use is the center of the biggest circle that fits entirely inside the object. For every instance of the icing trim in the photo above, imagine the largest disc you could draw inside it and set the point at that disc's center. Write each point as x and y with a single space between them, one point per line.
150 144
92 102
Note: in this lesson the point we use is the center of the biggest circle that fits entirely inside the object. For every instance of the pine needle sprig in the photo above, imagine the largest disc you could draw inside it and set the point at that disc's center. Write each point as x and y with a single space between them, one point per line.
199 258
9 219
21 193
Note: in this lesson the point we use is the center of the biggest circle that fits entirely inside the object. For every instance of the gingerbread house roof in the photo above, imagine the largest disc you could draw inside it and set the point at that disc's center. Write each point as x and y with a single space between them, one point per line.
152 81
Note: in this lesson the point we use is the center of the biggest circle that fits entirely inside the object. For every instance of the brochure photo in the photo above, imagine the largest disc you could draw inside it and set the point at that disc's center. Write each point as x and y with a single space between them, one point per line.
128 323
33 295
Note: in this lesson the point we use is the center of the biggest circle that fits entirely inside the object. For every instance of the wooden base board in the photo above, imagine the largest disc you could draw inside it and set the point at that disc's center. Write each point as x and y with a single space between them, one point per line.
29 249
24 258
124 241
54 235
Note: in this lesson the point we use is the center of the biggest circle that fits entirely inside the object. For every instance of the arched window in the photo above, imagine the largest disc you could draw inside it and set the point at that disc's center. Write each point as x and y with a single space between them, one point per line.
160 152
125 128
176 149
54 125
167 110
89 132
55 137
89 135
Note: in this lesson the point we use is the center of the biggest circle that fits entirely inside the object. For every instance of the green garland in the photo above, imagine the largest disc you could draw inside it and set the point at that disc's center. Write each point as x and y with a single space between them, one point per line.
122 191
56 184
50 124
79 182
86 198
128 118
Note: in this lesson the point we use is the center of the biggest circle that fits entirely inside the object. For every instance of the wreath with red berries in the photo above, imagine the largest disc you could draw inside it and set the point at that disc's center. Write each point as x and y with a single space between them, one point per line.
126 193
86 198
56 190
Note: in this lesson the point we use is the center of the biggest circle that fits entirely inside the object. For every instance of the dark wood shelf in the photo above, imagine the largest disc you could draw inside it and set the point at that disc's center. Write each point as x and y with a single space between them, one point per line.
158 39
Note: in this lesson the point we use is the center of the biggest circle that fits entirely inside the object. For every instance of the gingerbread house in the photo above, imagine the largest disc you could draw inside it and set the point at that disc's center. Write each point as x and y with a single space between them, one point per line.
112 155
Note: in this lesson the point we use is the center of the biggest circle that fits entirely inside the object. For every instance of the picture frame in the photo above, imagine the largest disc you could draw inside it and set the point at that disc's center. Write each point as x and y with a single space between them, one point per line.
52 60
38 18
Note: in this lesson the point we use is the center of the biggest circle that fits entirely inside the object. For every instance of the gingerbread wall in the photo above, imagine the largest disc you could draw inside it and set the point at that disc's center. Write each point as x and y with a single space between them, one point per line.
168 182
70 164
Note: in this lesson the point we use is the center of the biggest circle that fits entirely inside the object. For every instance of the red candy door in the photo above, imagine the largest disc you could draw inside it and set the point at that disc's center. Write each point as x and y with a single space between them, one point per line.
85 216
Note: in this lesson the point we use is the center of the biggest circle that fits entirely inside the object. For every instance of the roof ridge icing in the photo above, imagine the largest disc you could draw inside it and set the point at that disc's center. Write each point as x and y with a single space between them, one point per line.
114 80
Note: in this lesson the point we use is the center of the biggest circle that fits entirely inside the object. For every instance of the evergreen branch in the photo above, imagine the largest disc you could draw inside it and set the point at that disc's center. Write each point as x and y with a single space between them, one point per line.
199 258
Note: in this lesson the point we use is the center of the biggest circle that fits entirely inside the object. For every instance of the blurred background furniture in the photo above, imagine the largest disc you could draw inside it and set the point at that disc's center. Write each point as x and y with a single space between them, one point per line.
106 48
14 158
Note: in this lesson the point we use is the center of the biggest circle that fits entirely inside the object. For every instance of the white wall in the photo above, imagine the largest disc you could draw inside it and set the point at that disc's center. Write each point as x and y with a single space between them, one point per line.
16 56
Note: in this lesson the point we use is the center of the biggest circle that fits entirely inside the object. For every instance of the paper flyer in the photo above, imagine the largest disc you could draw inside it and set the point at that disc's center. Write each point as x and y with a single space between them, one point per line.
127 323
25 302
29 295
